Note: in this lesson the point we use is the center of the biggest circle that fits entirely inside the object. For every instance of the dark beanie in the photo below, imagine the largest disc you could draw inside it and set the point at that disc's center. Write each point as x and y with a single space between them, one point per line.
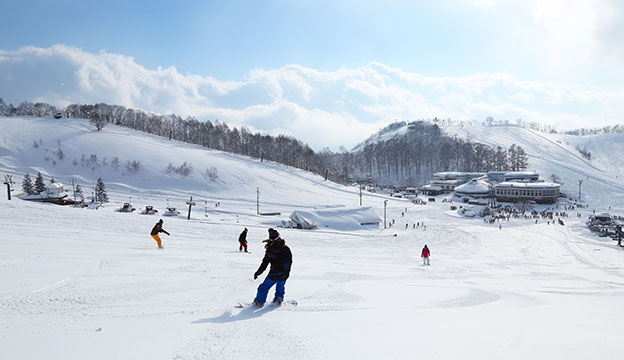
273 234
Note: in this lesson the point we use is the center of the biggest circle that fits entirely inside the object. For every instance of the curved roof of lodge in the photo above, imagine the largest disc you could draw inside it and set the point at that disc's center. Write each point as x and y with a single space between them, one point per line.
473 187
529 185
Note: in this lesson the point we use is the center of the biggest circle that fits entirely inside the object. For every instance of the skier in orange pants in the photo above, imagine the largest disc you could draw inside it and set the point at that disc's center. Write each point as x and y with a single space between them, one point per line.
158 229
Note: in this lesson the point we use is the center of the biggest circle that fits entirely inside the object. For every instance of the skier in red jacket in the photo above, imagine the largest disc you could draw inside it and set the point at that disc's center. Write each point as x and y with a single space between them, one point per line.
425 255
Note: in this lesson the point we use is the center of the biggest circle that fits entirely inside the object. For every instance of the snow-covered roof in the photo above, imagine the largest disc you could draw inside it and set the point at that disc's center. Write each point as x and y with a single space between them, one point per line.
521 173
456 174
474 187
55 185
432 187
603 215
446 182
339 219
528 185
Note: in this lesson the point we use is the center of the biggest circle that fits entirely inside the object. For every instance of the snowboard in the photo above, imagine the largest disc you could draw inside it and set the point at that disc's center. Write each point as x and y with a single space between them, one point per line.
242 305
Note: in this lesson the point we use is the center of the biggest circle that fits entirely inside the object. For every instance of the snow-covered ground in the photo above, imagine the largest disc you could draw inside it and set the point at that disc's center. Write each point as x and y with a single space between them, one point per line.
80 283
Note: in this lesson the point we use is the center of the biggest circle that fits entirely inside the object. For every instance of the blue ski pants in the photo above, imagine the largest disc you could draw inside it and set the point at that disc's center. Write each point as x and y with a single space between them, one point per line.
266 285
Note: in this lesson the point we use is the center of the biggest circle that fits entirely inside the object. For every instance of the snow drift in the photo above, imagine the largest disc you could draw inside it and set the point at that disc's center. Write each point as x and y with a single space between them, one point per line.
338 219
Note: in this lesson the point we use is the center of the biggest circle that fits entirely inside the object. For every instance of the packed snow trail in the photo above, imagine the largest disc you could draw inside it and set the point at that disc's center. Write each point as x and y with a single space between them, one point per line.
508 292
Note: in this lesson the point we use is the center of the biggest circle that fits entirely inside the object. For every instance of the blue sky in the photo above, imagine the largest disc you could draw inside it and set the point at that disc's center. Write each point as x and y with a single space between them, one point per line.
574 46
226 39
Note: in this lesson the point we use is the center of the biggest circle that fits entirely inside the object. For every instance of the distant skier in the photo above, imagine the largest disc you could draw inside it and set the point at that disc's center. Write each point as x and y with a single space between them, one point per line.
158 229
425 255
242 240
279 256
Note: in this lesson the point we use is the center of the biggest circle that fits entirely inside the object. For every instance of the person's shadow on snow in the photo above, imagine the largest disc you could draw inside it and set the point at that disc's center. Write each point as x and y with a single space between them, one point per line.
245 314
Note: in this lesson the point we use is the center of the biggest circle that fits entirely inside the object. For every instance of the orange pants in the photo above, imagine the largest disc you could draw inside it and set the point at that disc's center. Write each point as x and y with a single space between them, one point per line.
158 241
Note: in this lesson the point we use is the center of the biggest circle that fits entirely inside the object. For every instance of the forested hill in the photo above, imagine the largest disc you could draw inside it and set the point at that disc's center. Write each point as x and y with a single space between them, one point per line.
214 135
596 160
400 154
409 161
409 153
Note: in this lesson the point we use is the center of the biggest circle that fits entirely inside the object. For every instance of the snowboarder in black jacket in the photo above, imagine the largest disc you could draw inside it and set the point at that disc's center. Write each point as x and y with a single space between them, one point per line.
279 256
158 229
242 240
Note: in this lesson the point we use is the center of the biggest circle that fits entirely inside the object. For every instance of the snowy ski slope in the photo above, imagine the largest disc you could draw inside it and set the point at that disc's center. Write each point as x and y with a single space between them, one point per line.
80 283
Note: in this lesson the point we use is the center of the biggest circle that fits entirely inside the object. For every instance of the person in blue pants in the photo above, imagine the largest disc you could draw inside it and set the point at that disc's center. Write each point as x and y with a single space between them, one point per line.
279 256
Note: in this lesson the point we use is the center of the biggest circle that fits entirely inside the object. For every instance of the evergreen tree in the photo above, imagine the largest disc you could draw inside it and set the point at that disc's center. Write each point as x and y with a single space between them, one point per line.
27 185
39 184
78 191
523 159
100 191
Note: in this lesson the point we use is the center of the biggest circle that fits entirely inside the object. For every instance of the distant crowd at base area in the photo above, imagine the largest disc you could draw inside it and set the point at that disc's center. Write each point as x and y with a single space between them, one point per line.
507 214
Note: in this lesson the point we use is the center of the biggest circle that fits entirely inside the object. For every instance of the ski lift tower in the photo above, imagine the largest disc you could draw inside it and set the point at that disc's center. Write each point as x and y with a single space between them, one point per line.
363 181
8 181
190 203
385 204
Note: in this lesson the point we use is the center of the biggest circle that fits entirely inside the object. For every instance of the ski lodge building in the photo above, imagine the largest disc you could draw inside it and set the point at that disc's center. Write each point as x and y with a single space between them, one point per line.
446 182
540 192
506 186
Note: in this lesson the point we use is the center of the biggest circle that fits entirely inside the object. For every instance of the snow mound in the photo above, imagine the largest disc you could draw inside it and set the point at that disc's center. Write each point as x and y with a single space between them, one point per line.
345 219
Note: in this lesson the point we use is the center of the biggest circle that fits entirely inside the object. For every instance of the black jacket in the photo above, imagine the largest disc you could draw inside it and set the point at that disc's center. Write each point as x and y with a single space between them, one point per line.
243 237
158 229
279 256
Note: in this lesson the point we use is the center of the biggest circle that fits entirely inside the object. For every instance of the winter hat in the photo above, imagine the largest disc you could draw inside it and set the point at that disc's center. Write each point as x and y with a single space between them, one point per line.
160 221
273 234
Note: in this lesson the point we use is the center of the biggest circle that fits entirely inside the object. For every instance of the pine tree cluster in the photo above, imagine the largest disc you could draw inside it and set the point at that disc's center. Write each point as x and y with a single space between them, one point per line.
100 192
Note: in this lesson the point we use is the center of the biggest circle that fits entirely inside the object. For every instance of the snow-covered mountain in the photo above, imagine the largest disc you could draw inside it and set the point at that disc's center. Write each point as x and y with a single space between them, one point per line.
558 154
548 154
82 283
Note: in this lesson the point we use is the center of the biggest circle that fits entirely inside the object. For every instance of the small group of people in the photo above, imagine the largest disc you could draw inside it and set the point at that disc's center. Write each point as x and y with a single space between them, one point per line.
278 255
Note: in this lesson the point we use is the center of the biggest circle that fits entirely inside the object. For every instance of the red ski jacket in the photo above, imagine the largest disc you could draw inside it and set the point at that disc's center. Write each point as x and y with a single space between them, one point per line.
425 252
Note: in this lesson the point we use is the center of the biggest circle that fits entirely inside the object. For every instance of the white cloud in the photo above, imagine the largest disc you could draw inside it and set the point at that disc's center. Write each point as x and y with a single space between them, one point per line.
322 108
580 34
